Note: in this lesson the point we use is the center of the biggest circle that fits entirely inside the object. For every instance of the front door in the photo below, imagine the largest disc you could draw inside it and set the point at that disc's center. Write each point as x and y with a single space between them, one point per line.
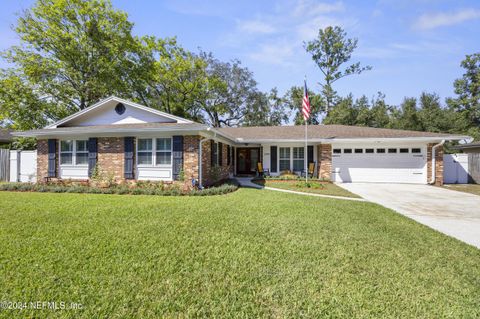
247 160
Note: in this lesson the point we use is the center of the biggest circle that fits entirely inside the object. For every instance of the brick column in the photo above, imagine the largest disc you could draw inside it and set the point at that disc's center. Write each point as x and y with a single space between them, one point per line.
324 158
438 164
190 157
111 157
42 160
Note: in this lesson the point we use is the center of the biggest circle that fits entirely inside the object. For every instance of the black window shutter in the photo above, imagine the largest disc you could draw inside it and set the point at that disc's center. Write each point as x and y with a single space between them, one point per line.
129 148
52 158
92 155
212 153
273 159
310 153
220 154
177 156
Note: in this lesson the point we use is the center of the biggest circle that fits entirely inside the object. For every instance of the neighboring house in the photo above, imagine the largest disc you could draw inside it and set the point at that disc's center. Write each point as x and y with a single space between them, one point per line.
470 148
129 141
5 136
473 151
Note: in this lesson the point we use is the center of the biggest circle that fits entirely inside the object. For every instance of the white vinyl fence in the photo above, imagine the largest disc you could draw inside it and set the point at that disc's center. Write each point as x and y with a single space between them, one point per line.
23 166
455 168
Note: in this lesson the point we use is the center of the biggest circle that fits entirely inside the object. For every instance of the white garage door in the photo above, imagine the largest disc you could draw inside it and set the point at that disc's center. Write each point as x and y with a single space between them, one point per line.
380 165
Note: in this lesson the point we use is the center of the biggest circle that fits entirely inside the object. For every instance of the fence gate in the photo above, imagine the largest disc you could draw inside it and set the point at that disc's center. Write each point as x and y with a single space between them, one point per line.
474 167
23 166
455 168
4 164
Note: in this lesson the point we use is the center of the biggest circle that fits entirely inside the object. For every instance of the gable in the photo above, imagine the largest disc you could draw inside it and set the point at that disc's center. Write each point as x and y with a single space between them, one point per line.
114 111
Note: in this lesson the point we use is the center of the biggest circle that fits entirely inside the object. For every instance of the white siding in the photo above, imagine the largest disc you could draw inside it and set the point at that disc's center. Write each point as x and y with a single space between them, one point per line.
73 172
106 115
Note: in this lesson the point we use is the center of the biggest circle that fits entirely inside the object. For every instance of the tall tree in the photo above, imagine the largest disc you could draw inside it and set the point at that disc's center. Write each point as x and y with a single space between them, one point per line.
229 94
293 99
407 117
330 51
467 88
75 52
269 109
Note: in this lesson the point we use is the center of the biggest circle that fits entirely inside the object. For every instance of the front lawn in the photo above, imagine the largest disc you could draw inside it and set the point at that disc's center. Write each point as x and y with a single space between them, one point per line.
299 185
247 254
467 188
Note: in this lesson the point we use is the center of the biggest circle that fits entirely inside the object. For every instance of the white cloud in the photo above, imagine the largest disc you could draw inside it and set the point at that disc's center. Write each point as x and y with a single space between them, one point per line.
309 29
255 27
278 53
307 8
430 21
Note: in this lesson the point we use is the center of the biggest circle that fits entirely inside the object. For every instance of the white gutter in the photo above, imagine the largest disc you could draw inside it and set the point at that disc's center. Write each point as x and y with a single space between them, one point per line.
434 149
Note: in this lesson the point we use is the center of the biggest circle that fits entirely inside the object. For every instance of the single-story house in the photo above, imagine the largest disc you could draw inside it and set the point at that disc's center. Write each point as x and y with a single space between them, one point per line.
129 141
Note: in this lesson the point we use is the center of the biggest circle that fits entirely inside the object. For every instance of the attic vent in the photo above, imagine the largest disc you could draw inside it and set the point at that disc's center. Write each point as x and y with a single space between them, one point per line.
120 108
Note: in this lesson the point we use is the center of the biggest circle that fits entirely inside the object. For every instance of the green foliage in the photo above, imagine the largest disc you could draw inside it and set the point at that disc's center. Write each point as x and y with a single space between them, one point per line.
330 51
142 188
293 99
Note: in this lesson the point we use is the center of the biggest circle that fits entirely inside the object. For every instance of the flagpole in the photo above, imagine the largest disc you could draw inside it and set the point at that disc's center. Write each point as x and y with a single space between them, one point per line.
305 154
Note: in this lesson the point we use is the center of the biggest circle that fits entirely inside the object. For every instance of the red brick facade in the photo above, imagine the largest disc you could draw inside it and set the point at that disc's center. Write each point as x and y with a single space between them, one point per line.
438 164
42 160
324 156
111 157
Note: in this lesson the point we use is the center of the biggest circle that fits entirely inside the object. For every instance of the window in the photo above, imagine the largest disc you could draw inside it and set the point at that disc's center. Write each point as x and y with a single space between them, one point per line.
380 150
347 151
358 150
284 158
298 158
404 150
66 152
81 154
164 151
145 151
369 150
392 150
337 150
156 151
416 150
73 152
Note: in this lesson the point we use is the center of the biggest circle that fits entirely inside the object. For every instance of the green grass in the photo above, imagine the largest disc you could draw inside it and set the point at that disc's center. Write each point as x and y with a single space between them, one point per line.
294 185
247 254
467 188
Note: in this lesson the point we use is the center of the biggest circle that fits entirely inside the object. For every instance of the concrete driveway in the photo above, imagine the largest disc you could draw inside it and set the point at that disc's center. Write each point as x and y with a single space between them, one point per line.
453 213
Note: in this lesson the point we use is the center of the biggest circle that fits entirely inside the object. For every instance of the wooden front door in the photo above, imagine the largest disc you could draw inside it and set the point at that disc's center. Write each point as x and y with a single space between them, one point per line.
247 160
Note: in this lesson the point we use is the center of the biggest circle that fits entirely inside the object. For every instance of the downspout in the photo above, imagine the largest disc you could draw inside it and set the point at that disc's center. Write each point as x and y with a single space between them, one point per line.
434 155
200 157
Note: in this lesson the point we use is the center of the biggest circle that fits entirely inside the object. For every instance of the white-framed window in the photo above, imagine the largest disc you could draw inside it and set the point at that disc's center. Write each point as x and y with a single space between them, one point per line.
154 151
74 152
298 158
163 151
284 158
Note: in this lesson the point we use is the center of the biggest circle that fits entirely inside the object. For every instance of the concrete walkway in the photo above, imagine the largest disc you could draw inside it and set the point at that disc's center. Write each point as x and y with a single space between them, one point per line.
247 182
453 213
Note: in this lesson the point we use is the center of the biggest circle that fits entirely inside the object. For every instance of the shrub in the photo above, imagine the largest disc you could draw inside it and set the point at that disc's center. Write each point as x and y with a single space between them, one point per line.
143 188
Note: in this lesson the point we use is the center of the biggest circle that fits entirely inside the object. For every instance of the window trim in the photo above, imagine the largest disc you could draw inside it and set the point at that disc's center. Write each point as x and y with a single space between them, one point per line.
381 148
73 152
285 158
416 148
369 151
392 150
298 159
350 151
154 152
403 149
358 150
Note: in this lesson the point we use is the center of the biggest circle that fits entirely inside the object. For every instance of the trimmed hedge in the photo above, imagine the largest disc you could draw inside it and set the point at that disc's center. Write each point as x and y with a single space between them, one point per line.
228 187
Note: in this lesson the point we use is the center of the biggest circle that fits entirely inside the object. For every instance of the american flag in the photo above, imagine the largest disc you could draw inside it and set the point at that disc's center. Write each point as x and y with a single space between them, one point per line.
305 104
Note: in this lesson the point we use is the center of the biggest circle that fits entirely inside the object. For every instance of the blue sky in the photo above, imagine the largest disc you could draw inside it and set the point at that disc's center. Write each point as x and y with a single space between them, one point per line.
413 46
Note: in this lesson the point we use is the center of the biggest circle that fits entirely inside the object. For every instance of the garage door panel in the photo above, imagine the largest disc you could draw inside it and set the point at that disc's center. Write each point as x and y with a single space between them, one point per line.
388 168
